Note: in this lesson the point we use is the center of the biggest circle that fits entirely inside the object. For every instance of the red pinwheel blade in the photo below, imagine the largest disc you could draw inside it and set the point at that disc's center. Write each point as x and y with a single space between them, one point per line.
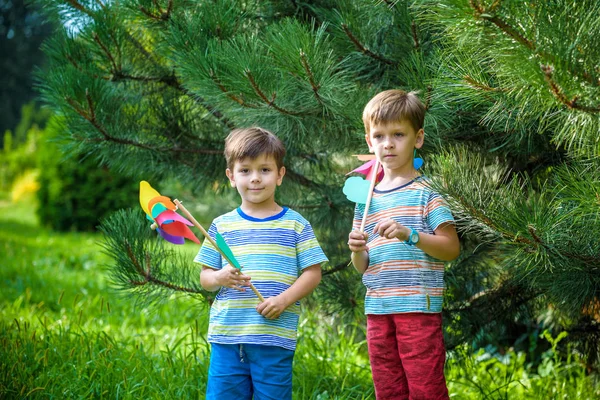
171 216
177 228
367 170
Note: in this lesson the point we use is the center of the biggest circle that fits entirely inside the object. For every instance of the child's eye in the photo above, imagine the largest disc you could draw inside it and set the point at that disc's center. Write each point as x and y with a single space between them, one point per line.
399 134
244 170
266 169
378 136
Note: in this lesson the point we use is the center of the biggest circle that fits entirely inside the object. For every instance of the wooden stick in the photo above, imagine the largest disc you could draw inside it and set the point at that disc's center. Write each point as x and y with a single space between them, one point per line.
211 240
370 196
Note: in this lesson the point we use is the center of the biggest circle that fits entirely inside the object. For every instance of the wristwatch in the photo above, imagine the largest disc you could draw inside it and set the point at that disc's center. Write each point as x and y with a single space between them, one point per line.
413 237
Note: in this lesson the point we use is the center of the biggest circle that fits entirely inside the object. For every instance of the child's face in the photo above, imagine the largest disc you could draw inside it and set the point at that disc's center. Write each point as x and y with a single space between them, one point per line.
394 143
256 180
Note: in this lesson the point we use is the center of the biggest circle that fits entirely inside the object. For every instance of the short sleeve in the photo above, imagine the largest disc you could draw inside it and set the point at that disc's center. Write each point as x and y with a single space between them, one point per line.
208 254
308 250
359 210
437 211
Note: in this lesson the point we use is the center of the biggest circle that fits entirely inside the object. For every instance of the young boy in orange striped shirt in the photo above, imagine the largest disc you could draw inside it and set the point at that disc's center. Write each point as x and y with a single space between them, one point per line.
409 233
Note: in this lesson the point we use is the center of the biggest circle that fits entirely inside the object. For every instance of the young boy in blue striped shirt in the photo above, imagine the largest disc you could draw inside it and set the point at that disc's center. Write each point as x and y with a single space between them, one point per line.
253 342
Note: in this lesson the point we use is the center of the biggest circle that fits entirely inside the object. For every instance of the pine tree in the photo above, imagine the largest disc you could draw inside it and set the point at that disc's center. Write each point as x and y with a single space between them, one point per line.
512 89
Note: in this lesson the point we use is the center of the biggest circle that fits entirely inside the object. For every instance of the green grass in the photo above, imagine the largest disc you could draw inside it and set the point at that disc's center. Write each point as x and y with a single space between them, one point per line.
64 333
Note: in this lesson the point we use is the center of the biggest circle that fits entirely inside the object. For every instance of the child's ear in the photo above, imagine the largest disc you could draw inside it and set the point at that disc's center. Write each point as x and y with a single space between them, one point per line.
230 176
368 140
280 177
420 138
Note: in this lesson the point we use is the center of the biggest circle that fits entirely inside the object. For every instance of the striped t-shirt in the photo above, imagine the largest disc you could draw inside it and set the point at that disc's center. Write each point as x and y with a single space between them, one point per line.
273 251
402 278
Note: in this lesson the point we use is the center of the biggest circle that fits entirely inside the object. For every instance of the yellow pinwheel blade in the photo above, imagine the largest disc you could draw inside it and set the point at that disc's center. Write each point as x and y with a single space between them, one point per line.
147 193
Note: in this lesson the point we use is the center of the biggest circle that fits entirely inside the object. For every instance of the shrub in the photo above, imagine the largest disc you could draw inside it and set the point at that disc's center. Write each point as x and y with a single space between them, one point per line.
75 193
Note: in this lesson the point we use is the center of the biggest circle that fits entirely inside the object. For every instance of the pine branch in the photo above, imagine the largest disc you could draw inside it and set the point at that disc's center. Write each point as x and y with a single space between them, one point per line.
337 268
481 86
559 93
170 80
413 29
510 237
428 97
90 116
163 15
487 15
78 6
301 179
107 52
144 265
78 67
488 310
364 49
310 75
238 100
147 276
261 94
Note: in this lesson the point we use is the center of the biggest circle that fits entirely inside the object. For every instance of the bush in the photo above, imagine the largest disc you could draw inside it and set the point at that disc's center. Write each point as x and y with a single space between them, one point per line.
75 193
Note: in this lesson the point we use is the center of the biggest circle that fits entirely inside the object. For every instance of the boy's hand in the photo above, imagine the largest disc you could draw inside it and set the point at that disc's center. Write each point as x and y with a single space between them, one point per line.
357 241
232 278
272 307
389 229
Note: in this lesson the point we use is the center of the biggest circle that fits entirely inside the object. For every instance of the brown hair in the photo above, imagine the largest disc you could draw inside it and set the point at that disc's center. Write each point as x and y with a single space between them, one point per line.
393 106
251 143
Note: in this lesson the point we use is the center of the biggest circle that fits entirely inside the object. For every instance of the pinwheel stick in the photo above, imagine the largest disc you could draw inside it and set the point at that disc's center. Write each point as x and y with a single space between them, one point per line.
211 240
370 196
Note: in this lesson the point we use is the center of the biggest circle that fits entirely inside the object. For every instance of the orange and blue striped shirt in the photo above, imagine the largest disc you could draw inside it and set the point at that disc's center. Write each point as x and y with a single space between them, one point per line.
273 251
401 278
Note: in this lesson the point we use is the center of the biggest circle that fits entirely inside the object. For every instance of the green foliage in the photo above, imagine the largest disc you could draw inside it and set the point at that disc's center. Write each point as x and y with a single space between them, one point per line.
151 88
75 193
32 116
146 262
57 322
18 155
15 160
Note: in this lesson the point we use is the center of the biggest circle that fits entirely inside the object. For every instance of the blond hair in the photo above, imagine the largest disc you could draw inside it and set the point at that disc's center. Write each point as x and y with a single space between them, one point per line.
394 106
251 143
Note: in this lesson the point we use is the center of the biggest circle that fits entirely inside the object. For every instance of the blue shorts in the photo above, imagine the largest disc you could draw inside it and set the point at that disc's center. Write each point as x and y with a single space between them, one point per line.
239 371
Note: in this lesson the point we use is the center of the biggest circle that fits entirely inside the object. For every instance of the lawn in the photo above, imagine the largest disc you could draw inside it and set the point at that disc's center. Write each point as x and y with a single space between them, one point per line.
65 333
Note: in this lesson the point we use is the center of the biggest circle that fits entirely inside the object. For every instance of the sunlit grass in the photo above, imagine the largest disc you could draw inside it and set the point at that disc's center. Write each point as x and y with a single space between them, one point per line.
65 333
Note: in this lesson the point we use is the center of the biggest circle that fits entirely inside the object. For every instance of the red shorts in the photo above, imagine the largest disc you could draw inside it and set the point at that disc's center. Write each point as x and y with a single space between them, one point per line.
407 356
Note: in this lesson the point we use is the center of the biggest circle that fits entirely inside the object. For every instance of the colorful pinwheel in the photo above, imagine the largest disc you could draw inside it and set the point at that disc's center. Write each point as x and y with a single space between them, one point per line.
174 228
161 210
356 188
360 190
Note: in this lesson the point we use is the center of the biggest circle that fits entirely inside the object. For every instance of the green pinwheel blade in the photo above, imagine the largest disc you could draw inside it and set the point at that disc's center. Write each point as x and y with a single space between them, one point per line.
224 247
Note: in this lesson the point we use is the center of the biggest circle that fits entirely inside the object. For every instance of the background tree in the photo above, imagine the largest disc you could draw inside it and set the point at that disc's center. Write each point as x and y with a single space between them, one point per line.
22 30
152 87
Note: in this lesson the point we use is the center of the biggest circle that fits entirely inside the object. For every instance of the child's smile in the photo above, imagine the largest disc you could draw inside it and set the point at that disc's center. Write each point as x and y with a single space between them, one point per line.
256 180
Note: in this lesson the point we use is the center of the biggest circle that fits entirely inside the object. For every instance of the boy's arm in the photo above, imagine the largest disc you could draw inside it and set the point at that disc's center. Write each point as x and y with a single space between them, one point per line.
360 261
273 307
357 243
213 279
443 245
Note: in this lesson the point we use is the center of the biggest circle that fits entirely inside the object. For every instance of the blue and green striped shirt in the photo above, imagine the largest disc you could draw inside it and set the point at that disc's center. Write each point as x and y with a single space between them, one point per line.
273 251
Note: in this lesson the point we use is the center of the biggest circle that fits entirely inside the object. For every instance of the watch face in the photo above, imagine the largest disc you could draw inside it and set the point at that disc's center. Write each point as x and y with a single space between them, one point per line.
414 237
